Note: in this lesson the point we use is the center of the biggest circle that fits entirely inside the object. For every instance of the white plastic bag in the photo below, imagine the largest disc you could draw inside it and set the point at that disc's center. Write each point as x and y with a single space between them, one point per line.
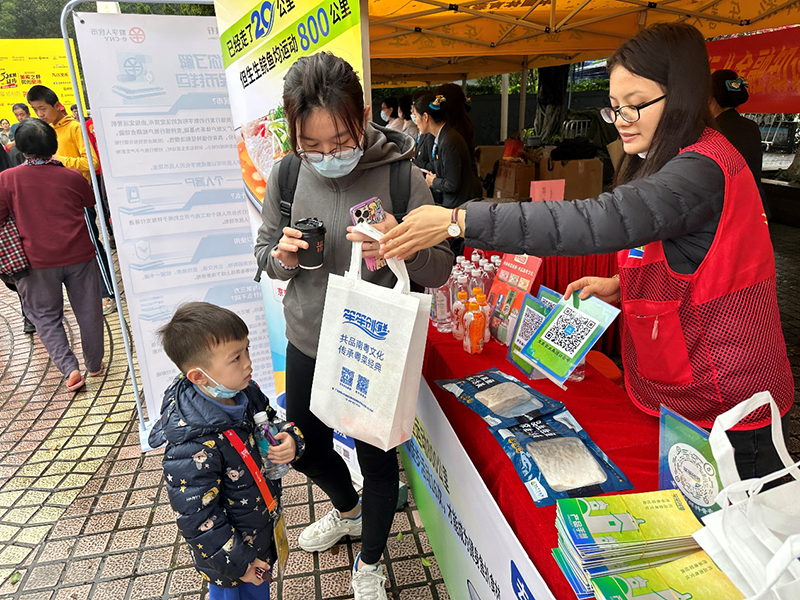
751 536
369 359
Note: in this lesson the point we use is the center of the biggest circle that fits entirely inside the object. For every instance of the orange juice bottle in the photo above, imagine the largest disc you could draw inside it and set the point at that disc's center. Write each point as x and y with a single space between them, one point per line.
486 309
474 325
459 309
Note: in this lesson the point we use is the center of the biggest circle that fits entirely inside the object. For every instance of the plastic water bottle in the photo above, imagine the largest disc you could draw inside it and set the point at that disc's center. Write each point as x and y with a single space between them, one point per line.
579 374
489 272
463 285
263 434
486 309
474 325
477 255
442 309
459 309
497 261
476 280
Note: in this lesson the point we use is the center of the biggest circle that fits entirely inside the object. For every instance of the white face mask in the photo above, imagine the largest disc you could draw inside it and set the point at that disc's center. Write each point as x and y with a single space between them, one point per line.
414 118
333 168
385 115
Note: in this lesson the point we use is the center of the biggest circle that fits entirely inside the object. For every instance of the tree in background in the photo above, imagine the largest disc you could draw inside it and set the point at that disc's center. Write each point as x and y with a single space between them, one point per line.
551 99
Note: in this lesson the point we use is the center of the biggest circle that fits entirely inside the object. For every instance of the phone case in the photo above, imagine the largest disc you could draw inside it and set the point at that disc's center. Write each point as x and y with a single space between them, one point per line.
369 211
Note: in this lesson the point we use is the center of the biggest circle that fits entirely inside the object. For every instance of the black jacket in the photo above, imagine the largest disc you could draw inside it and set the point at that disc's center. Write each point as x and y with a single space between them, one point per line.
219 508
745 136
423 153
680 206
455 176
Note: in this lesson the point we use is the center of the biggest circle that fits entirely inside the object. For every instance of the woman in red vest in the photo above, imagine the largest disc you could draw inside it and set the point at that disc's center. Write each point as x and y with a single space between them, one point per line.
701 330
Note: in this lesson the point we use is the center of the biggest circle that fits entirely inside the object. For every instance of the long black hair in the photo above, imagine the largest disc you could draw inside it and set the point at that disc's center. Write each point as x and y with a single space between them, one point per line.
726 96
324 81
674 56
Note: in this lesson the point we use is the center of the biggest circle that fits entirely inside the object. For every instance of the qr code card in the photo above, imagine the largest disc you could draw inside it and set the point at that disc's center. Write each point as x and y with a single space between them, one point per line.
570 330
532 315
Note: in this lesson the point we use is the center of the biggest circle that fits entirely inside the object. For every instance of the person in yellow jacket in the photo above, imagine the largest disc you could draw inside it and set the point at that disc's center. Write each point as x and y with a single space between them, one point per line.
72 154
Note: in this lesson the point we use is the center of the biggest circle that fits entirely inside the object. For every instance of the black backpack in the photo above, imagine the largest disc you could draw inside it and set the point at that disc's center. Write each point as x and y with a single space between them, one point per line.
289 171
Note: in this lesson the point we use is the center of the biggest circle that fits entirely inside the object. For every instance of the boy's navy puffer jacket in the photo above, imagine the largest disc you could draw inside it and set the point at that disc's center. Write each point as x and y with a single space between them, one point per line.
220 510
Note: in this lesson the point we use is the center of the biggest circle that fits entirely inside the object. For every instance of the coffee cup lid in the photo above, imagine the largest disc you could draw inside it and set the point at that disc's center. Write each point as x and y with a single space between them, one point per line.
310 225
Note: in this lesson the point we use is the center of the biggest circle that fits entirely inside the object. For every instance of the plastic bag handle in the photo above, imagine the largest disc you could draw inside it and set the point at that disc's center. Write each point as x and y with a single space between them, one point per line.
398 267
721 446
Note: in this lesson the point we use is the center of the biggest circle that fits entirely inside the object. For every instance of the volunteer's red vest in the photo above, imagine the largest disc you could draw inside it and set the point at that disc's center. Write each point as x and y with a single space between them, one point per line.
701 343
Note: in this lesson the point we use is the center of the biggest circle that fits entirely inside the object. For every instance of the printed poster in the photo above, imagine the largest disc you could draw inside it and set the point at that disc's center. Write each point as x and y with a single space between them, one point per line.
160 109
514 279
259 42
685 462
25 63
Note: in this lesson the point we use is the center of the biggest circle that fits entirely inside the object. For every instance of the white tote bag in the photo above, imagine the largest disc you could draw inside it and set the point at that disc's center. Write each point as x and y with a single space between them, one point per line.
750 537
369 359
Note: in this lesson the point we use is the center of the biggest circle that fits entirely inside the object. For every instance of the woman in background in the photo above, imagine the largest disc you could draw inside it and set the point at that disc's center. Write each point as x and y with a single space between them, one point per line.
404 112
389 114
453 176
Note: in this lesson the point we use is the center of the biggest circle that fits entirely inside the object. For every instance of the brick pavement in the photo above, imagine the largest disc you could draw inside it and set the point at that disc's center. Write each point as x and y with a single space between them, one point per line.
83 514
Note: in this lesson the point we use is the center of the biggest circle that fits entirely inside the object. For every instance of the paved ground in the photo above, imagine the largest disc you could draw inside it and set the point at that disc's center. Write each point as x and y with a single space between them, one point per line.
83 514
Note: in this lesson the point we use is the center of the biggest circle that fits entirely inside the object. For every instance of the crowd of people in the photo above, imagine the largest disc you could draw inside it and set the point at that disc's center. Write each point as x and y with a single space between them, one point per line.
701 329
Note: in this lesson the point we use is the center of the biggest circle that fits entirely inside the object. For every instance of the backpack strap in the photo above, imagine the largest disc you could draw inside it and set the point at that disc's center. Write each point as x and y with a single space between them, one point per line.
400 187
288 172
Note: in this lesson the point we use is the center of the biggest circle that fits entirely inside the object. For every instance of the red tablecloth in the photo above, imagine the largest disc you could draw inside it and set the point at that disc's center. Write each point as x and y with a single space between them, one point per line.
557 272
627 435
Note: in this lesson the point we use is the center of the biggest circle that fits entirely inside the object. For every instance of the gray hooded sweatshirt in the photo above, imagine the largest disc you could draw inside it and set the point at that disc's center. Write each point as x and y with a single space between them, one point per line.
331 200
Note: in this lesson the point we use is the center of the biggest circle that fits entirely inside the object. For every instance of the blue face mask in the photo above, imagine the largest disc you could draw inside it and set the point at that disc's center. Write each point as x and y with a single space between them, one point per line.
333 168
414 118
220 392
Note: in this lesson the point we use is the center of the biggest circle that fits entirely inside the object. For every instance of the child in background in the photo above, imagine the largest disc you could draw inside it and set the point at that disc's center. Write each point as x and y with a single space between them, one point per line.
222 510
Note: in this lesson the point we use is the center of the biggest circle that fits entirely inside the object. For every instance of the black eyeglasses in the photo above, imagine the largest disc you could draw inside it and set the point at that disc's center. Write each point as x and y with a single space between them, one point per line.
315 156
629 113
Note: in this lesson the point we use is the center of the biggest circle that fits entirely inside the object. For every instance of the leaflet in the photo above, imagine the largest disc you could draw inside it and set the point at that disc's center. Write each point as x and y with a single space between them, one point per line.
532 314
568 333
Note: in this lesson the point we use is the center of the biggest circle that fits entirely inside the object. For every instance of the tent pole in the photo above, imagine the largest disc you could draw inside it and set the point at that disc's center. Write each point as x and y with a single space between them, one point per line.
523 94
504 107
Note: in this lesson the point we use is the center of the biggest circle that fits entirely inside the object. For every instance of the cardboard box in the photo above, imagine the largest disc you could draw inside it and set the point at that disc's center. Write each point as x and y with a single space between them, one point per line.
584 178
485 157
514 180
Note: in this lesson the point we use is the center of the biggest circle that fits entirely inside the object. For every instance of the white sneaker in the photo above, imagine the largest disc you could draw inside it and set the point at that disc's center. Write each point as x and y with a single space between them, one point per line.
368 583
326 532
109 306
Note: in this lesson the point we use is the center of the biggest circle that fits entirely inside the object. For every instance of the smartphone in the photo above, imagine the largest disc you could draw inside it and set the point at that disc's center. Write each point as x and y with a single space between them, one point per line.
370 211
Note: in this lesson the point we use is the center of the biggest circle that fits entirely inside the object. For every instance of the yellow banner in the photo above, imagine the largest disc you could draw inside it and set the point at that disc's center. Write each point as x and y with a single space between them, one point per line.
25 63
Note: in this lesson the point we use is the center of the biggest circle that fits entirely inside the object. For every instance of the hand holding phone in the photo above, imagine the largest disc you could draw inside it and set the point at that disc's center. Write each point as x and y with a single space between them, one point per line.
369 211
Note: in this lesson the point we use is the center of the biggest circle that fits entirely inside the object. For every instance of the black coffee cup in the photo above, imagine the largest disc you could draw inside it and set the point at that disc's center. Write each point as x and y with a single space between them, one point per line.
313 231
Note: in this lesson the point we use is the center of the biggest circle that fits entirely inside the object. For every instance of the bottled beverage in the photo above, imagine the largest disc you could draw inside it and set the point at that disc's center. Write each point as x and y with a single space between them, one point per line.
489 273
463 285
477 255
265 437
497 261
459 308
476 280
474 325
442 309
579 374
486 309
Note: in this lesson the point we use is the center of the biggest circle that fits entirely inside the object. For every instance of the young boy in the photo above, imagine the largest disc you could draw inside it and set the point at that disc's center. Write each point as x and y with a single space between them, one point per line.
221 510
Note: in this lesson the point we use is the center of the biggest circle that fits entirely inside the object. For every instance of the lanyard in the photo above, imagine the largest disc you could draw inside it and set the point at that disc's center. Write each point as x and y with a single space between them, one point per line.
251 465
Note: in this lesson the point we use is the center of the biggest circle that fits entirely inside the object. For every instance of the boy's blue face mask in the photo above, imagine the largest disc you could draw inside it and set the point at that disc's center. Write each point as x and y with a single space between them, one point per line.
219 392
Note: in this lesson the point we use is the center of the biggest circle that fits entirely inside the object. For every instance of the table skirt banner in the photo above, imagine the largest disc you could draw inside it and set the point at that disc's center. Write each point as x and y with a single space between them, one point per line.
628 436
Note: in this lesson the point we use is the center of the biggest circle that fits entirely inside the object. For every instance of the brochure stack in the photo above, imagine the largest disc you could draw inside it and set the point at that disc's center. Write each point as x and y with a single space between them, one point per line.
605 536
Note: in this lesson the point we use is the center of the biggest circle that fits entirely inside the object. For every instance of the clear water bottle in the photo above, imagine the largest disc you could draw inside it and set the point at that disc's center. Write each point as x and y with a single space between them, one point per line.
489 273
462 285
265 437
579 374
442 305
476 280
477 255
496 261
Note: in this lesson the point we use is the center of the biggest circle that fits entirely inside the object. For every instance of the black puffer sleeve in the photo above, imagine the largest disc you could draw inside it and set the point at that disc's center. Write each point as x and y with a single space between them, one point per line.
682 198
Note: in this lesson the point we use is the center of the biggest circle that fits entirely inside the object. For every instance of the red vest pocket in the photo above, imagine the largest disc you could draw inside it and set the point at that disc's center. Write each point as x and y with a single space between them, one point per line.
661 353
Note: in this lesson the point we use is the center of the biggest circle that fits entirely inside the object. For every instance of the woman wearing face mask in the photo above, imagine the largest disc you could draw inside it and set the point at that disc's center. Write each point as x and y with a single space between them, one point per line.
452 175
407 117
345 160
701 330
389 114
5 132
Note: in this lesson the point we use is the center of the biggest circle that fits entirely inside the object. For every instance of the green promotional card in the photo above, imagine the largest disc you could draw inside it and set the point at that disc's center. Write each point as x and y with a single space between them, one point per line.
532 314
570 330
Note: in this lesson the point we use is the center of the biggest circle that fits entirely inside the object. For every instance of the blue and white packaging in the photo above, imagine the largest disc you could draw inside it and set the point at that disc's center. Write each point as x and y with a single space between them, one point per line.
556 458
500 399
